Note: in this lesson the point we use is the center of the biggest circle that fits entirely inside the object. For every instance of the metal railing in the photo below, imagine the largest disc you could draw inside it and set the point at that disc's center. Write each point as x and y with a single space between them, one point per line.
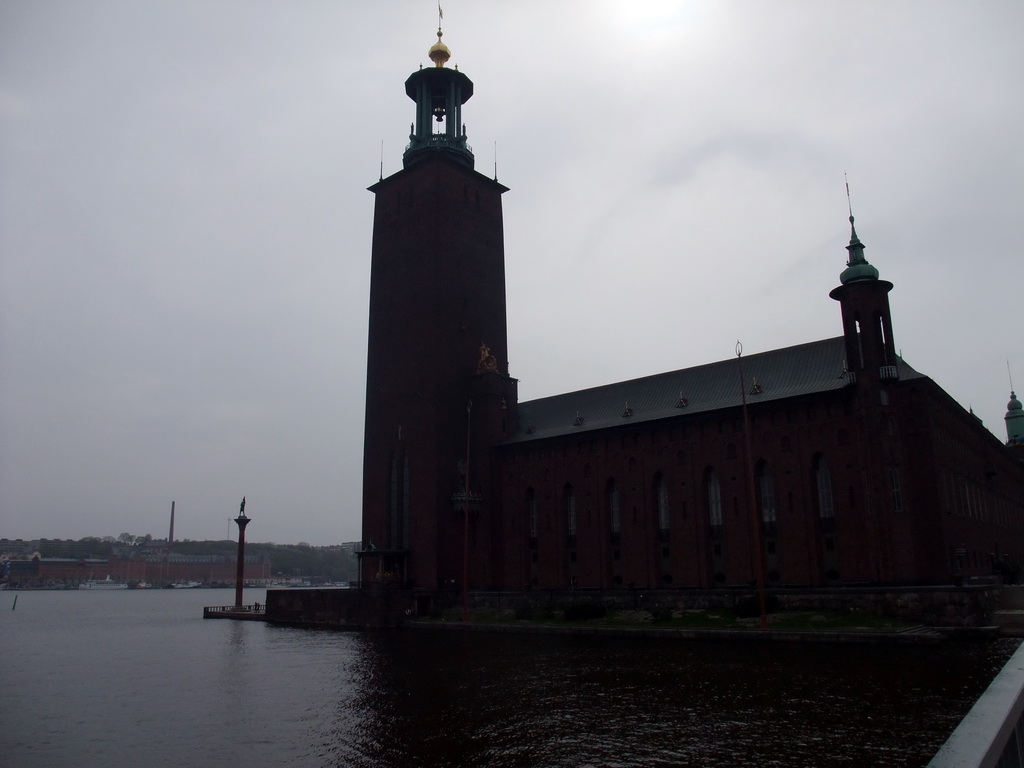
440 141
991 735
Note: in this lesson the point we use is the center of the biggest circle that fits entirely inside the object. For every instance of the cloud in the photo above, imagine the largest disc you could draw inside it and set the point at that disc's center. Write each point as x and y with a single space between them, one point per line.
185 227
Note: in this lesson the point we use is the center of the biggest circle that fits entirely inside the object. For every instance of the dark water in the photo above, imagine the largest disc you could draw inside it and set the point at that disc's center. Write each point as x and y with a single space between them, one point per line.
138 678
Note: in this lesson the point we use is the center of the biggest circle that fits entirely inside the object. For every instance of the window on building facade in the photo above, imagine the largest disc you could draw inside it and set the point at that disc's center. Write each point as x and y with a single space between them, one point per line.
405 503
570 510
714 499
897 493
399 502
823 480
766 486
661 493
613 507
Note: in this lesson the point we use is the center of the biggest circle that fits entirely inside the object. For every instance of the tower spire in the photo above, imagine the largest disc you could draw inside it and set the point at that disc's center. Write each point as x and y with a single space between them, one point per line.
867 324
854 240
1014 415
857 267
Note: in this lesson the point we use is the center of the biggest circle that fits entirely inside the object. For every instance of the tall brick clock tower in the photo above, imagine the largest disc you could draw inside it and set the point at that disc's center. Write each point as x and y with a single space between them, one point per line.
438 393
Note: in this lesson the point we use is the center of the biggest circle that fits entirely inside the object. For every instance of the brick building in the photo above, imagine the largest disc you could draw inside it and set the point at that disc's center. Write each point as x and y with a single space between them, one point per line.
827 463
154 569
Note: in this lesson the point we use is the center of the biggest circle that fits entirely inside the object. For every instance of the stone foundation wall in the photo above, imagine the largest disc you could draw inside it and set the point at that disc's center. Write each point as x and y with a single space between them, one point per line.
339 608
949 606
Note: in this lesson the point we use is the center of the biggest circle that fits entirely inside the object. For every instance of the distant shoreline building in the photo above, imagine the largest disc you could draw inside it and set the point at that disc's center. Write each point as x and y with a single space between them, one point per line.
850 467
66 564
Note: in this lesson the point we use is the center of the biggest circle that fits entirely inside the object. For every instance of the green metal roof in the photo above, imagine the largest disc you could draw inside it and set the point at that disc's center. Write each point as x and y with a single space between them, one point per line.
804 369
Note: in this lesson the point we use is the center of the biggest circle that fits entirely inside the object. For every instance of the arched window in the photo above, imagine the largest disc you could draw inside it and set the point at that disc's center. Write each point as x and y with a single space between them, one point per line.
405 502
714 499
615 515
823 481
531 511
897 492
859 362
661 494
399 501
569 499
766 486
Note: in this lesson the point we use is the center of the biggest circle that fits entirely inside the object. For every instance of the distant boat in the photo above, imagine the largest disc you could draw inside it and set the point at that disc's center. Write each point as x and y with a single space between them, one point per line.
186 585
107 583
142 585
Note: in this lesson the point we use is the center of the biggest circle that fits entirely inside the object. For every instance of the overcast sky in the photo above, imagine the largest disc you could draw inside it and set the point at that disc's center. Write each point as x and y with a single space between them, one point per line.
185 227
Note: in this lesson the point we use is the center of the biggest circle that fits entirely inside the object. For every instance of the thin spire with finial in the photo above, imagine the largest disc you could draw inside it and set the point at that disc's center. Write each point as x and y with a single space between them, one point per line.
854 240
439 52
857 267
1009 375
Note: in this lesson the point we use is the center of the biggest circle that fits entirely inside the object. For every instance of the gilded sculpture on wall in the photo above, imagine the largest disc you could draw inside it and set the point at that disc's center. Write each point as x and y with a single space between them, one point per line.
487 362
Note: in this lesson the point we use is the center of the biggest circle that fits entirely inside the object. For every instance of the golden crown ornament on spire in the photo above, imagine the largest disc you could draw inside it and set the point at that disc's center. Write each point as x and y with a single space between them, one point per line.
439 52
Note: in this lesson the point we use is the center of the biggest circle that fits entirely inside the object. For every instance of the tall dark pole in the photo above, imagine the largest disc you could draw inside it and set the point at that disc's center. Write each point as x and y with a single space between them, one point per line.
465 522
170 543
752 499
242 521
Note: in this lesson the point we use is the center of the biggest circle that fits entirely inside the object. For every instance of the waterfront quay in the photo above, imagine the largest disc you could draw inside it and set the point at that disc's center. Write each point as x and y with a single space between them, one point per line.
947 609
252 612
862 615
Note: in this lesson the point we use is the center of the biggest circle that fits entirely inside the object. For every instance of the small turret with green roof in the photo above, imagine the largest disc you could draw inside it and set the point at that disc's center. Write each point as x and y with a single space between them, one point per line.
857 268
1014 420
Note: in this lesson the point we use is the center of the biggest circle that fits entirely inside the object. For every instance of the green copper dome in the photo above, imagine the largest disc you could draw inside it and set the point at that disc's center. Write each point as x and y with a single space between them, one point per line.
855 272
857 268
1014 419
1014 404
